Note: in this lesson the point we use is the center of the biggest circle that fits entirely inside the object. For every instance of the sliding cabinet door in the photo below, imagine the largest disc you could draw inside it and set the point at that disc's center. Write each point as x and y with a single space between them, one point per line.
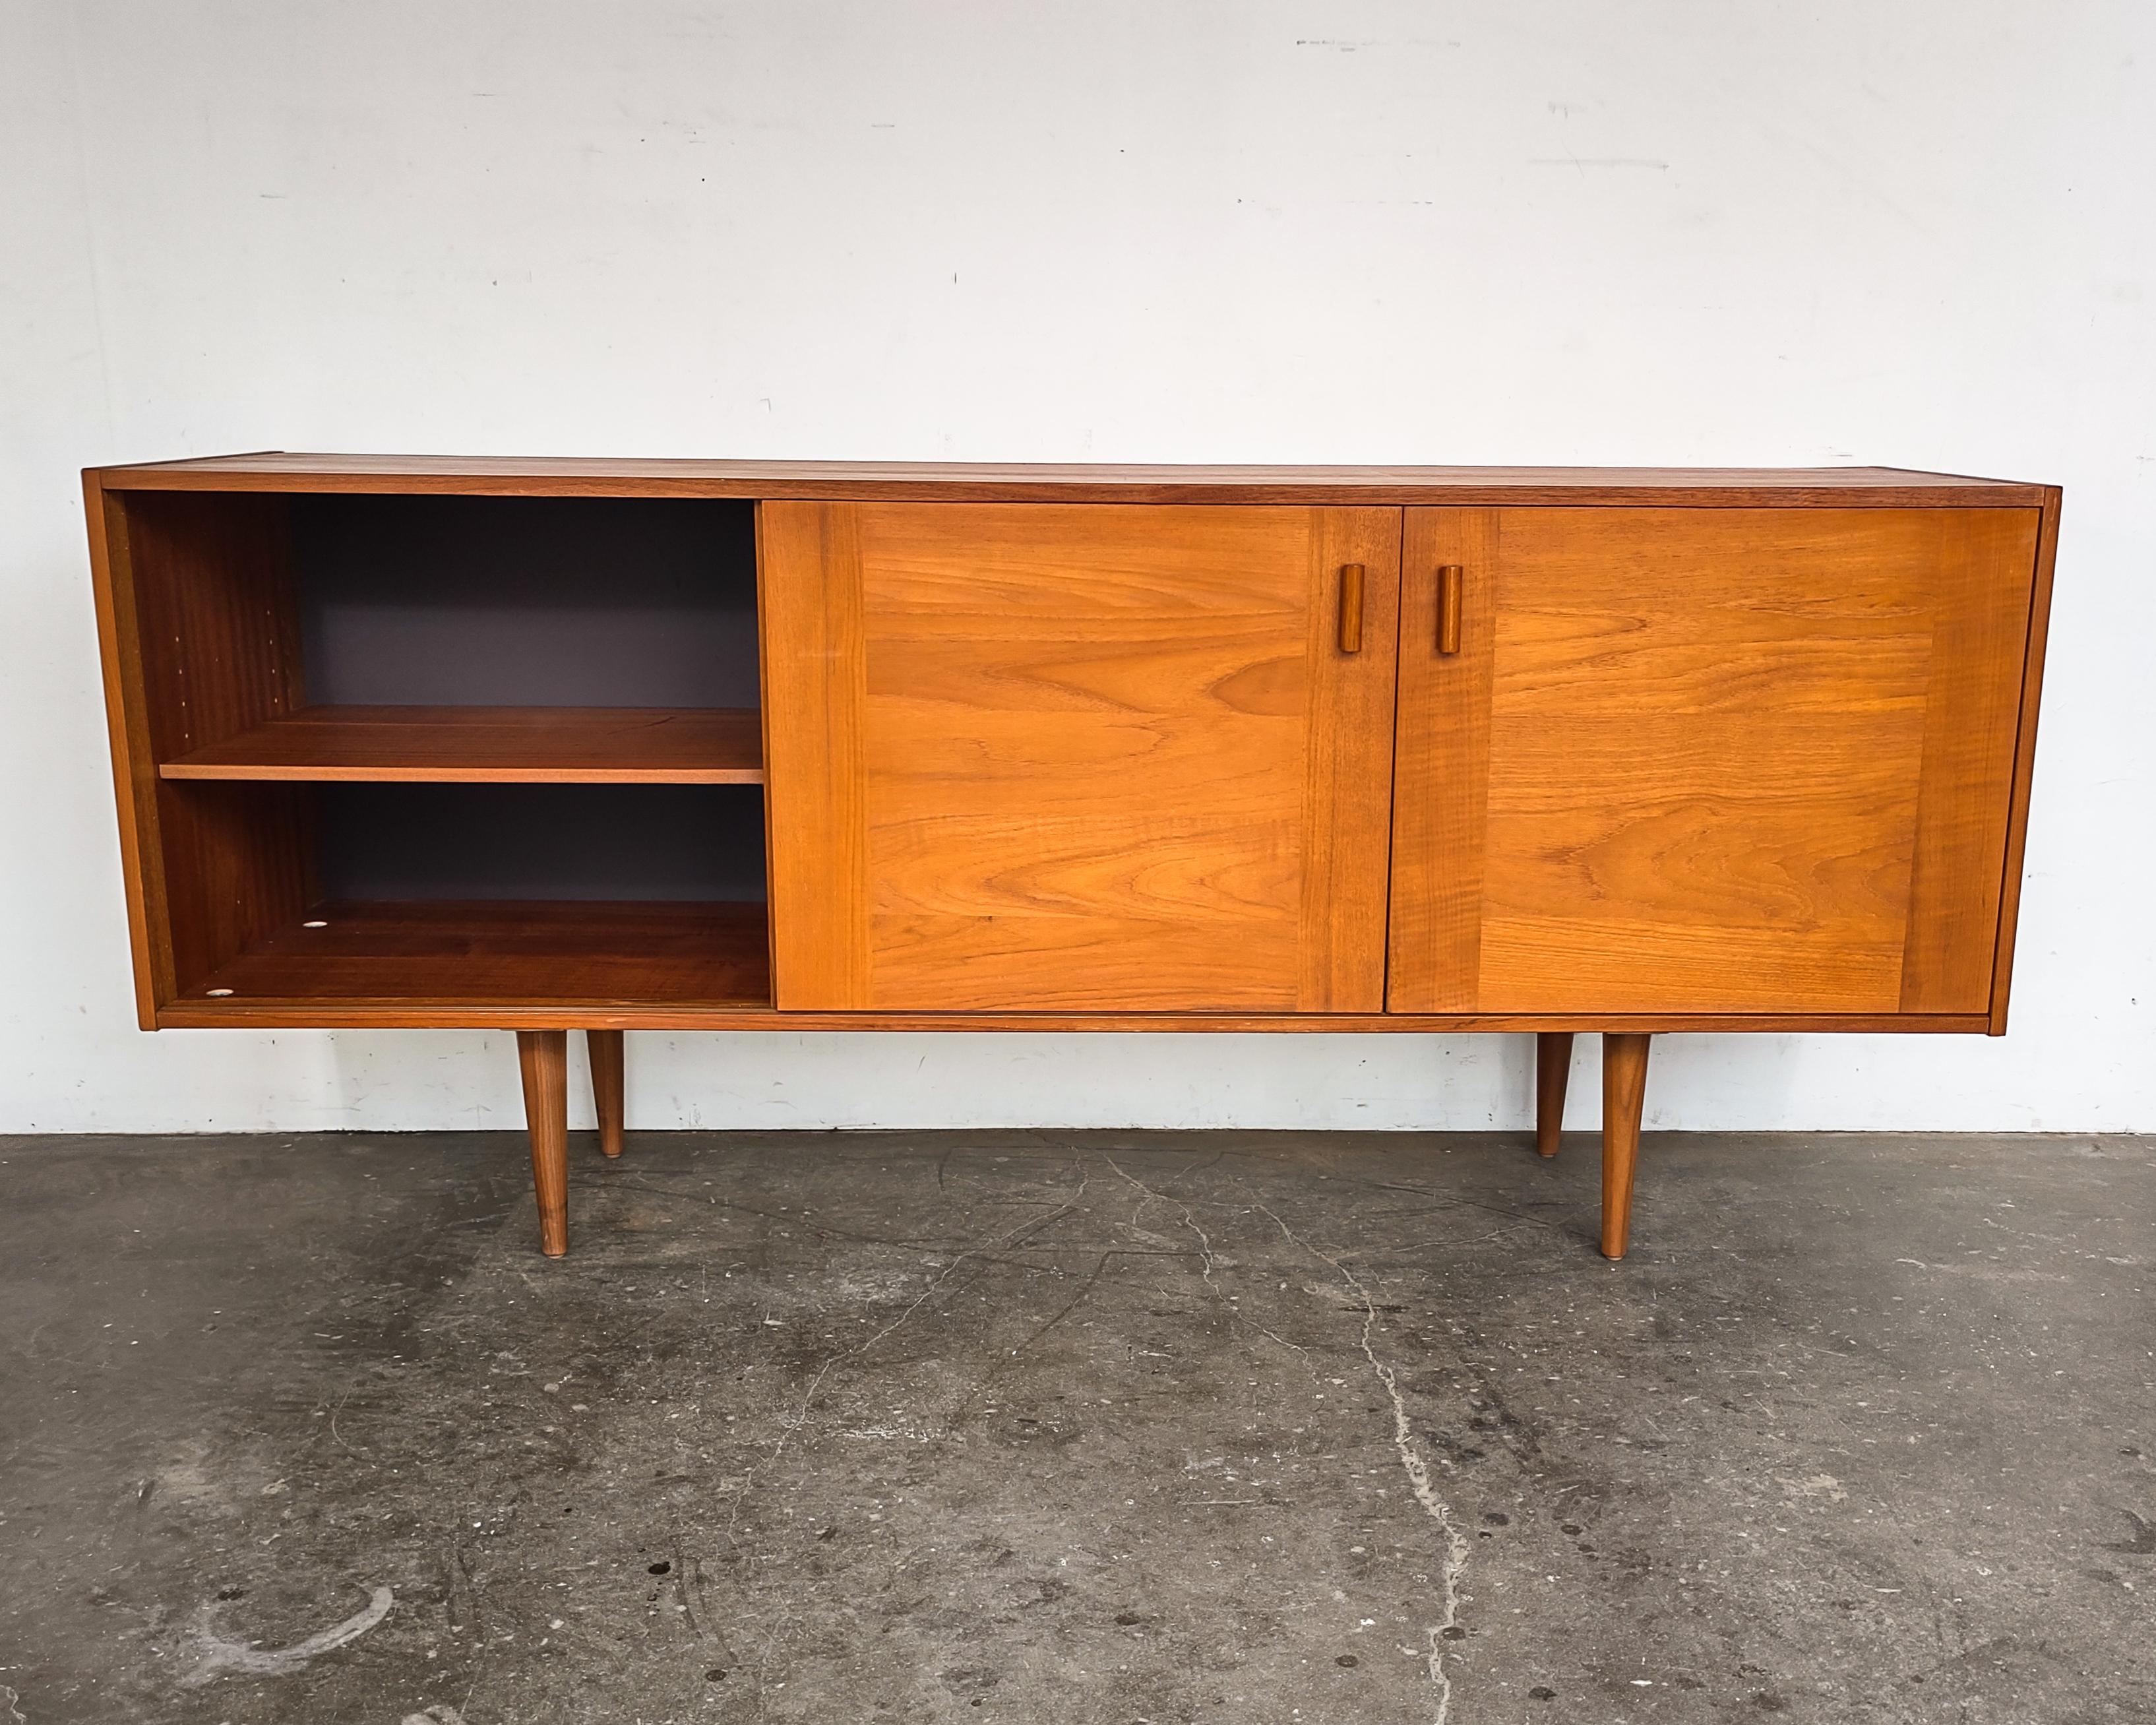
1706 760
1078 757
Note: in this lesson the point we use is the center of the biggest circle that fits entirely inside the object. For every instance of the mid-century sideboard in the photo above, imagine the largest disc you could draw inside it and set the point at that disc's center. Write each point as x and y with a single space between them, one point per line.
548 745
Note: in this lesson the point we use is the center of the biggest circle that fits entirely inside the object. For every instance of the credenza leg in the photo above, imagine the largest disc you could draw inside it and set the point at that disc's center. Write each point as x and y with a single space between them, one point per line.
544 1055
1623 1098
1553 1066
605 1048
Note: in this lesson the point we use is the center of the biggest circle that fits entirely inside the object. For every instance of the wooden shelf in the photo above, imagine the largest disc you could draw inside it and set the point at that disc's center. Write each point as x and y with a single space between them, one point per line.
432 957
491 745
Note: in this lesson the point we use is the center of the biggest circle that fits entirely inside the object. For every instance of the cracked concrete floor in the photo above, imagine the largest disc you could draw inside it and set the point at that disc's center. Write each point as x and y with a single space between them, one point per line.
1115 1428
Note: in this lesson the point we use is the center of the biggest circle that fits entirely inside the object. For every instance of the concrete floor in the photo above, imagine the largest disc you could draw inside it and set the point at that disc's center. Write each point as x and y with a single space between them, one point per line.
1036 1427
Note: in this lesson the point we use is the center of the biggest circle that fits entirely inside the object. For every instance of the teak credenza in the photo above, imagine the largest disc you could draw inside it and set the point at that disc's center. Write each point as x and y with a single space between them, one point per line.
545 745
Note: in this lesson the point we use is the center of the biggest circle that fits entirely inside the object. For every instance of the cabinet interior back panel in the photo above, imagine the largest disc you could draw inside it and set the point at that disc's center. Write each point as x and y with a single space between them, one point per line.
412 842
526 601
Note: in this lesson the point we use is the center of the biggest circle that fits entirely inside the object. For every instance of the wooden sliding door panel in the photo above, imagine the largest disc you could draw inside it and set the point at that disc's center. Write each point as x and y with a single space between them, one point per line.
1712 760
814 677
1073 757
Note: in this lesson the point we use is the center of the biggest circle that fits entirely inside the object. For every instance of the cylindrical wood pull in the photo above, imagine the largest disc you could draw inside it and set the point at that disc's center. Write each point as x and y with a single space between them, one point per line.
1350 607
1451 600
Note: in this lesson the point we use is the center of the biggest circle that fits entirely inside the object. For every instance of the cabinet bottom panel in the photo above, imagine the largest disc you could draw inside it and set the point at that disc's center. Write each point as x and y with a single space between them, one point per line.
489 962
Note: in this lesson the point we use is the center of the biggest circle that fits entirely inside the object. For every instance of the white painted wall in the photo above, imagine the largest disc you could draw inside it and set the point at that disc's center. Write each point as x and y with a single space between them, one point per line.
1683 231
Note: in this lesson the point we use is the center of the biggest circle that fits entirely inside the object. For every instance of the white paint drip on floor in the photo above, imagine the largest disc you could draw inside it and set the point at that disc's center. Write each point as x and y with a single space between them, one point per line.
1418 1473
218 1655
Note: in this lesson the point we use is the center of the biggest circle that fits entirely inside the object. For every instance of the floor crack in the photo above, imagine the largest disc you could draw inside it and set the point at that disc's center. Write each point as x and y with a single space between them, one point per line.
1023 1231
1207 1258
1418 1473
1205 1245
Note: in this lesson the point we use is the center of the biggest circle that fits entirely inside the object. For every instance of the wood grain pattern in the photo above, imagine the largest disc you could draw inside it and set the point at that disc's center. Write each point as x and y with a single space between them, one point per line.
2025 758
489 745
1441 763
1707 739
1348 802
815 701
215 602
868 481
439 958
1107 756
1981 580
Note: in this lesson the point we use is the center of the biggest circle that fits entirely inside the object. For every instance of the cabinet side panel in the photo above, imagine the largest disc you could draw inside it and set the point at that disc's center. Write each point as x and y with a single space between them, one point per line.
1985 562
134 766
1348 819
1441 764
814 700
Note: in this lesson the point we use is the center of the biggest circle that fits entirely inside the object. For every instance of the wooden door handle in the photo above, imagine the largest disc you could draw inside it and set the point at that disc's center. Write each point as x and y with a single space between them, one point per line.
1451 600
1350 607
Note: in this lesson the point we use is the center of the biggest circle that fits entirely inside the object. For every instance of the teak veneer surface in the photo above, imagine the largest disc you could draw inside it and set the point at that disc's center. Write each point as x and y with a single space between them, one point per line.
490 745
1078 757
860 481
1735 760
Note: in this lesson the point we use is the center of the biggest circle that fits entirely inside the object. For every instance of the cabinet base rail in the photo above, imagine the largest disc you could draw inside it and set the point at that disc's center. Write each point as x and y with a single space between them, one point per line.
544 1057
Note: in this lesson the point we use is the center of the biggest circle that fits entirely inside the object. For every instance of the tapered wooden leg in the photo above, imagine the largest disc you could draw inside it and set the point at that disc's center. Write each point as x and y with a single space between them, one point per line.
1553 1066
544 1055
605 1048
1624 1097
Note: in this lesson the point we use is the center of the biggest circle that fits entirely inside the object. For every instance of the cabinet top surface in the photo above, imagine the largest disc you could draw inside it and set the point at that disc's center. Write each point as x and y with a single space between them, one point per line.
1001 482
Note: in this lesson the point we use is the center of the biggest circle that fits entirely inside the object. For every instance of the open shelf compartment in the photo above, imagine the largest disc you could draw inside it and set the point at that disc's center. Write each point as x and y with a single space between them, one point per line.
455 897
444 756
461 895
